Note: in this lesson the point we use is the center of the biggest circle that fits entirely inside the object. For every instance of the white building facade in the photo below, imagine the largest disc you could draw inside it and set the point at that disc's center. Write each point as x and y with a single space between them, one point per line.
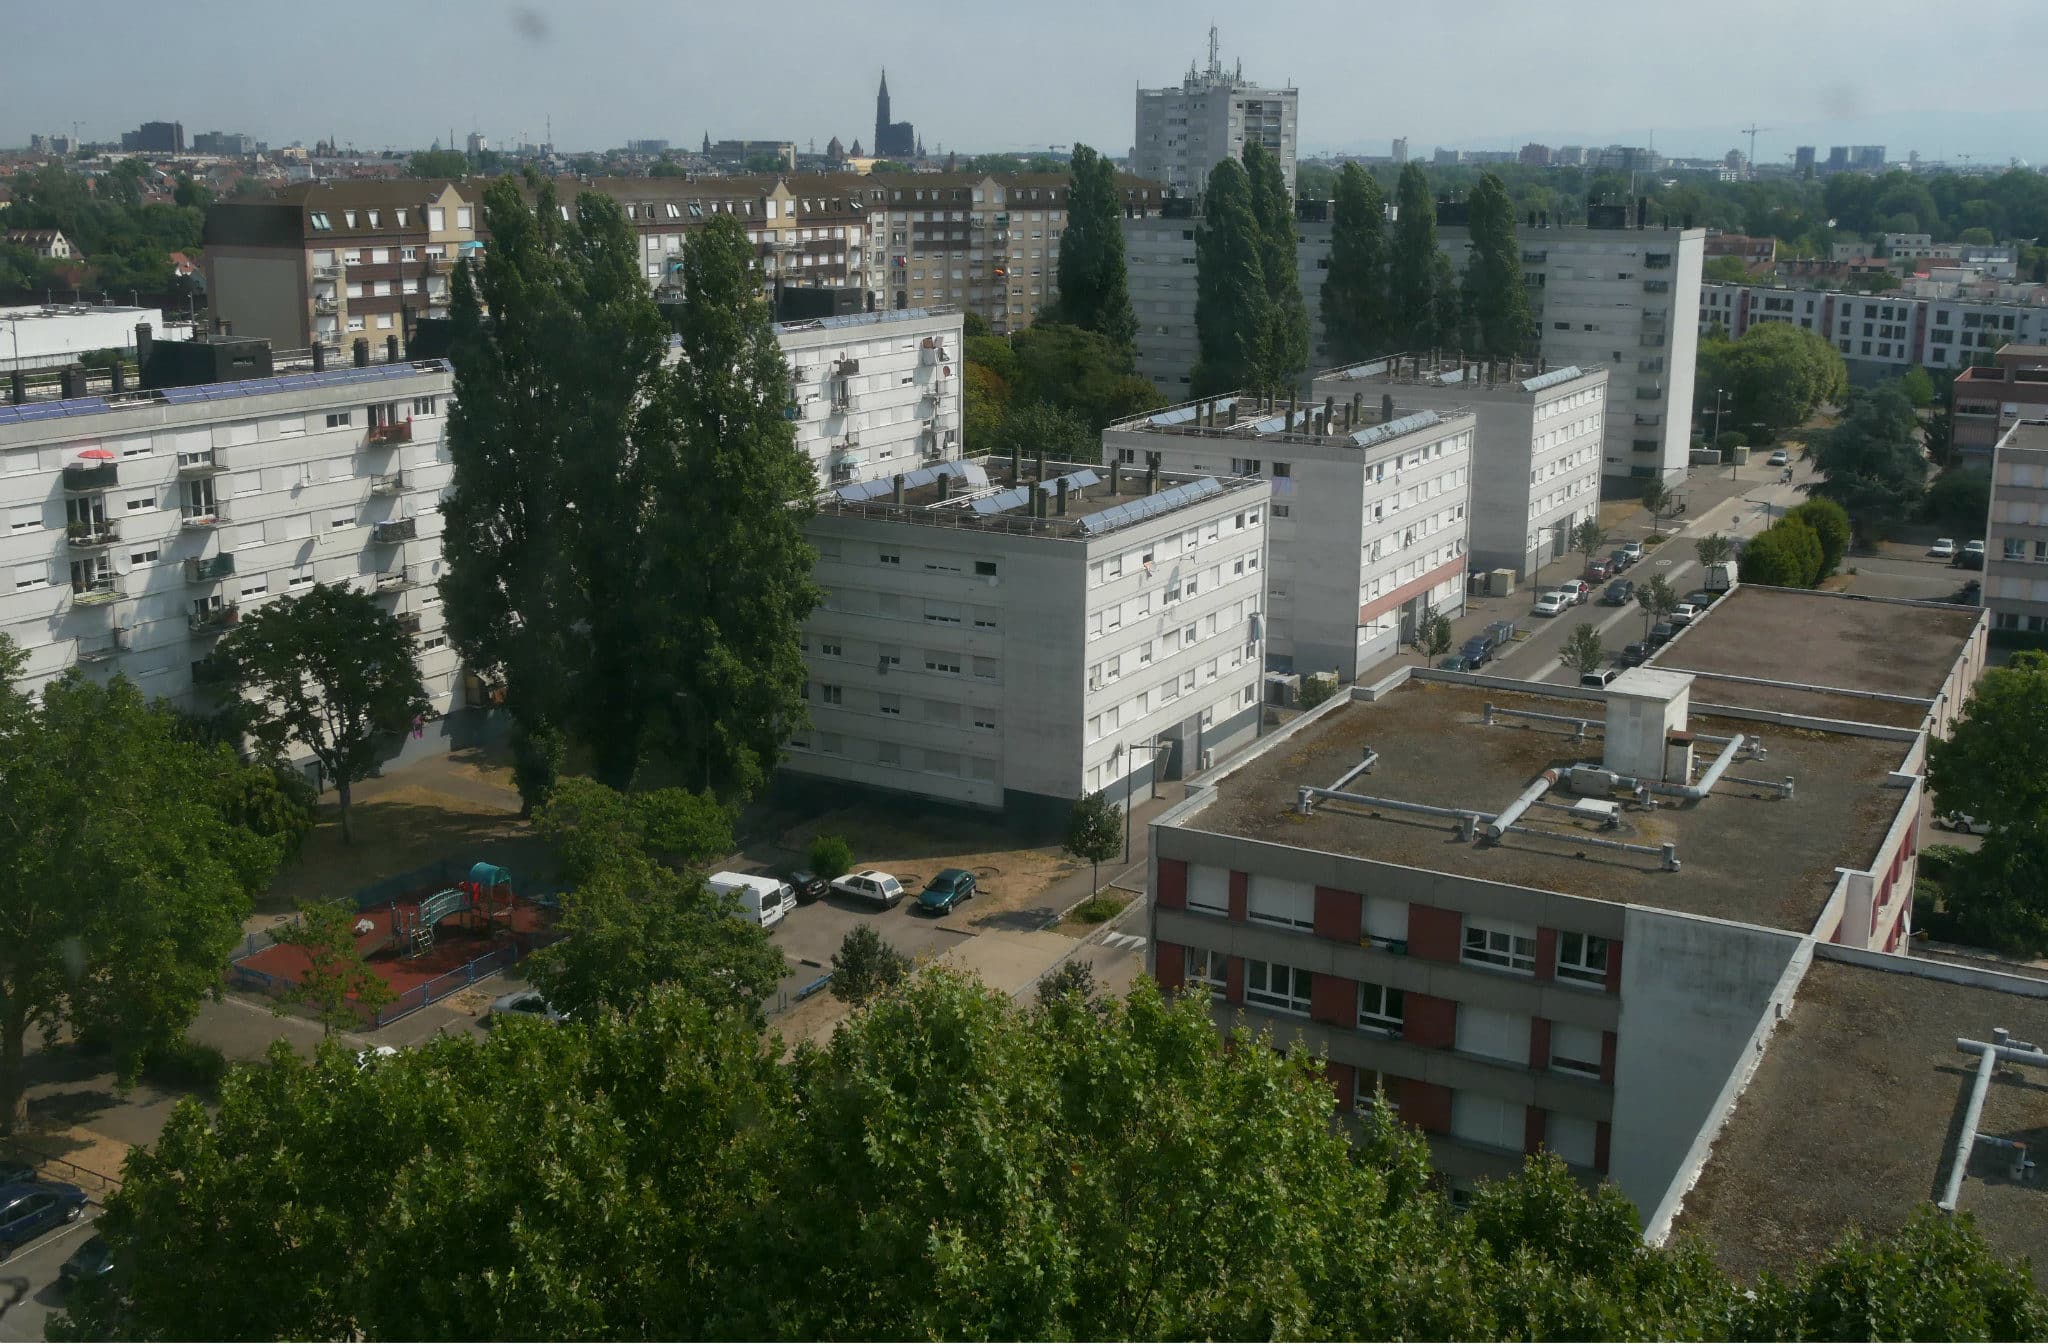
141 526
971 652
1882 335
1536 456
1185 131
875 394
2016 535
1370 515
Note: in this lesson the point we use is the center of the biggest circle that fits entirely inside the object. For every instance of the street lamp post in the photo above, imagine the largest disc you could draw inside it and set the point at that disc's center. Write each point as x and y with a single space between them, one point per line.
1152 784
1721 395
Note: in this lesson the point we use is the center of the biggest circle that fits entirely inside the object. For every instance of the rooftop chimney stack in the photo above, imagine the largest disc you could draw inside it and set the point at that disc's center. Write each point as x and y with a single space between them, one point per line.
896 494
72 380
390 349
362 351
319 357
120 372
1152 478
945 487
145 341
1386 407
1061 488
1041 463
17 390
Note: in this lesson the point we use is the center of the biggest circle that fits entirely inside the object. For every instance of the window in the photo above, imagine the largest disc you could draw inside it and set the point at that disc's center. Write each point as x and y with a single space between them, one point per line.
1379 1006
30 576
302 579
889 557
832 695
1208 889
198 499
985 568
831 648
137 559
1495 1122
1575 1049
1370 1087
1582 957
1509 946
426 405
889 704
1272 900
1285 988
2015 548
1207 968
947 663
336 522
462 215
1493 1034
984 618
942 613
340 419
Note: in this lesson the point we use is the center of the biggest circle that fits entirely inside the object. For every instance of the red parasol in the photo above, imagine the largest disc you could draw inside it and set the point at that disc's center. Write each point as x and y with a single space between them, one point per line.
98 454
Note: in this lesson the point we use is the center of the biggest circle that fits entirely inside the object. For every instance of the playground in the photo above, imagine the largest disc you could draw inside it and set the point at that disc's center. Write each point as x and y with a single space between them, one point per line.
425 931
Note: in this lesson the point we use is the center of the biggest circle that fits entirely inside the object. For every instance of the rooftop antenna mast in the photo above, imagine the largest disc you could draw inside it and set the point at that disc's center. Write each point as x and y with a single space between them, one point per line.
1215 55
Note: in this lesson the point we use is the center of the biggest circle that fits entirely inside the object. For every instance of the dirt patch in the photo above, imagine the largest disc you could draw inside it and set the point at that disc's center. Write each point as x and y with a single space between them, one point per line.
472 1002
1011 876
396 830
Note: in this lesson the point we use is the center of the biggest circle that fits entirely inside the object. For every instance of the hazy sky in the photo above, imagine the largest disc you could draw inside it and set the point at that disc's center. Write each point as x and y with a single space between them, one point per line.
972 75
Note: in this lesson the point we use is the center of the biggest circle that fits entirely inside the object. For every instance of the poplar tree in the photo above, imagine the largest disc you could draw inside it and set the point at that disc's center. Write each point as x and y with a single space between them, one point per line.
1412 273
1232 324
1095 290
1496 304
1356 318
1286 341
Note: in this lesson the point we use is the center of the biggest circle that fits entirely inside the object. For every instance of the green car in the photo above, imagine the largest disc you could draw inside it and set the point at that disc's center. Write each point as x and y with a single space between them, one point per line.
950 887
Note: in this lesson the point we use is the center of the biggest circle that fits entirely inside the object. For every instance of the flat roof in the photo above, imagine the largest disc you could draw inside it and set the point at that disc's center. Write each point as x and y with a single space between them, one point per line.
49 414
1508 378
981 493
1854 1113
1249 418
1817 642
1435 749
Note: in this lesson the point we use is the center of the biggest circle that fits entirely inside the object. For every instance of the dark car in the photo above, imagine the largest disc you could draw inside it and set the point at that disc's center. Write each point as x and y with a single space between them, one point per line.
1701 599
34 1207
1633 655
1621 560
92 1260
1968 560
1661 633
948 887
1477 653
1619 593
1455 662
807 885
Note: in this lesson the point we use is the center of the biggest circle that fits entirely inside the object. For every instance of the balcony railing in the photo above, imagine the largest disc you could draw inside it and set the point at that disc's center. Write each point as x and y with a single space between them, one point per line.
99 592
393 581
408 621
212 620
388 483
326 305
206 520
209 568
399 431
327 272
91 535
80 479
209 465
395 530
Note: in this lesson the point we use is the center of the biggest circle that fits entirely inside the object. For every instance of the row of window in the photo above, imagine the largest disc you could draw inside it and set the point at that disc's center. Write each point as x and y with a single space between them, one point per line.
437 218
1143 559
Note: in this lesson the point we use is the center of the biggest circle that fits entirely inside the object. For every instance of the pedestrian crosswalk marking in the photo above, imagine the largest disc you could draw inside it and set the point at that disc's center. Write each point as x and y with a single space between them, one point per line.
1132 941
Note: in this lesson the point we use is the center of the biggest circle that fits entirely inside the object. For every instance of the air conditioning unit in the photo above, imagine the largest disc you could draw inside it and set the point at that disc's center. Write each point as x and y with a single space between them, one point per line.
1208 758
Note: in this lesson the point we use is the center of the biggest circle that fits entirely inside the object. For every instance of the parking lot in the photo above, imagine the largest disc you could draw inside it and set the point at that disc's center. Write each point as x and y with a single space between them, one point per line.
37 1264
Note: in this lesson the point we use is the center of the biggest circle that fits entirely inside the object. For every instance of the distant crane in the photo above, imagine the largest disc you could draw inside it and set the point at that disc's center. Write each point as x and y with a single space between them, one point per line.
1751 131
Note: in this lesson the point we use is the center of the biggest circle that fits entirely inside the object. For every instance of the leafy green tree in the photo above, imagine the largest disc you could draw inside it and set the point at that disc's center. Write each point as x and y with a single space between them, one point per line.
1095 831
1724 270
1497 304
1831 528
272 800
1658 599
1449 324
865 965
1074 981
1583 651
1961 497
330 670
1412 274
1918 386
1713 549
1871 462
336 983
437 163
1436 638
1286 343
830 856
124 887
1075 370
986 397
1660 501
1774 376
1356 318
1993 765
1233 321
1588 537
1095 290
730 501
1034 425
593 828
1787 554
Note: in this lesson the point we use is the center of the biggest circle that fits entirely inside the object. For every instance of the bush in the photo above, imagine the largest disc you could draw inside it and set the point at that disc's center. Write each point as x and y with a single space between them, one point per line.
1072 978
1830 523
1729 439
1098 908
185 1065
831 857
865 965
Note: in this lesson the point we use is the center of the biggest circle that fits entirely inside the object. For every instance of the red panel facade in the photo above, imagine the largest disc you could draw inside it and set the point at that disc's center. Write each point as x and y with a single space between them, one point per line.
1539 1039
1614 968
1607 1048
1233 980
1333 999
1427 1106
1533 1121
1339 914
1240 897
1344 1082
1173 885
1546 954
1430 1021
1603 1135
1434 933
1170 965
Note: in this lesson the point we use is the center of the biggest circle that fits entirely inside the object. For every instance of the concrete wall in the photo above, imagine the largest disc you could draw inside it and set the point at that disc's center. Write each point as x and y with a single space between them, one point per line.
262 293
1693 994
903 411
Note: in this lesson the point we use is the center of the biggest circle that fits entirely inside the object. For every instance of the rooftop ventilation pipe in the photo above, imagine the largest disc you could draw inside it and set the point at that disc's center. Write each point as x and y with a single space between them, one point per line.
1329 411
1290 410
945 487
1707 780
1386 407
362 352
2000 1047
390 349
72 380
1370 759
1309 796
17 387
1059 497
1580 723
1116 472
145 341
319 357
1530 796
1152 478
1357 409
1016 464
120 372
896 488
1041 464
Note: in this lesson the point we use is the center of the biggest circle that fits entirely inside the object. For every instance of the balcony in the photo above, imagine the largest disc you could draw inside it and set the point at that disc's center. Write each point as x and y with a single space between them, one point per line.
395 530
100 591
388 483
393 581
326 305
408 621
80 479
327 272
209 568
397 432
213 620
195 466
87 536
203 520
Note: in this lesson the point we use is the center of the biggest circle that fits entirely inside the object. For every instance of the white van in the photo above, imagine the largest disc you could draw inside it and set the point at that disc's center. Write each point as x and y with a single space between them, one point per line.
763 900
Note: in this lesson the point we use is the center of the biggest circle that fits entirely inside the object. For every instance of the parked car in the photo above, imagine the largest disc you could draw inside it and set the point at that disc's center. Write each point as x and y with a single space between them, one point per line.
1599 571
948 887
1633 655
758 900
1620 560
34 1207
1781 458
870 885
1456 662
1962 822
1701 599
1660 634
526 1003
92 1260
1944 548
1975 548
1968 560
1580 590
1476 652
1683 613
1599 677
1550 604
1619 593
807 885
1633 550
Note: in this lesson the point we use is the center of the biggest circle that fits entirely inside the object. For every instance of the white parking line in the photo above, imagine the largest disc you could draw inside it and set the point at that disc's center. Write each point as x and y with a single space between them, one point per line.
45 1242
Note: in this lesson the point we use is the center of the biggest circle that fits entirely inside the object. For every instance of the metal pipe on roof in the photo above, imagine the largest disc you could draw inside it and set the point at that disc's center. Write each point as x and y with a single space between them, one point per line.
1041 463
1529 796
896 495
1667 852
1987 1064
1465 816
1371 758
1783 786
1709 779
1486 718
1060 489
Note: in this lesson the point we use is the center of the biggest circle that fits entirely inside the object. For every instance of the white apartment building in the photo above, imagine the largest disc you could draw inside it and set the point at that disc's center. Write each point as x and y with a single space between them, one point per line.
1370 514
1008 637
875 394
2016 535
1536 457
1882 335
141 525
1183 132
1610 296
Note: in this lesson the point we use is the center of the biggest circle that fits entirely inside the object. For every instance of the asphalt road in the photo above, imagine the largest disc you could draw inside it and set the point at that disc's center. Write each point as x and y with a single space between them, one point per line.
810 934
38 1262
1536 658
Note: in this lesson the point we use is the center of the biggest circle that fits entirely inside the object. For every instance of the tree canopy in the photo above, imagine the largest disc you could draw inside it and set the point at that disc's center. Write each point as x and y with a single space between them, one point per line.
1286 342
1775 376
1872 462
1233 318
1496 304
1412 273
1357 320
950 1165
1095 291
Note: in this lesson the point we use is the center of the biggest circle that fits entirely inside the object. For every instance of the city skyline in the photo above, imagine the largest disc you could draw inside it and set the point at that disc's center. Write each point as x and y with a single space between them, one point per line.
613 70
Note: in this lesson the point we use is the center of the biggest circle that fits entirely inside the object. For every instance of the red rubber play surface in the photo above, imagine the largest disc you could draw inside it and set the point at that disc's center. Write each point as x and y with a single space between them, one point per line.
457 940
